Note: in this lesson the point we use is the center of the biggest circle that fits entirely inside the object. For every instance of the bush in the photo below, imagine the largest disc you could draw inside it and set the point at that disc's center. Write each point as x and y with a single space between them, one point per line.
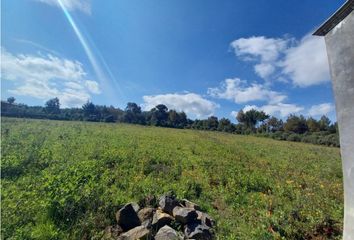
294 137
310 139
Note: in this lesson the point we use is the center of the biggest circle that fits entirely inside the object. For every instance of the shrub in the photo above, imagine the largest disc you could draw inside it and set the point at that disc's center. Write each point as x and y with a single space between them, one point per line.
294 137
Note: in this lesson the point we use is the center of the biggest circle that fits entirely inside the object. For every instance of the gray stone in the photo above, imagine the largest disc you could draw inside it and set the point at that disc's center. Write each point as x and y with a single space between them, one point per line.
167 203
188 204
127 217
139 232
145 214
161 219
206 219
167 233
184 215
198 231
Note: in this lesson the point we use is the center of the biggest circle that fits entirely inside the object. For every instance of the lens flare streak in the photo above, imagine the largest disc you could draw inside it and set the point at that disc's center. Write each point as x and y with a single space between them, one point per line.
91 56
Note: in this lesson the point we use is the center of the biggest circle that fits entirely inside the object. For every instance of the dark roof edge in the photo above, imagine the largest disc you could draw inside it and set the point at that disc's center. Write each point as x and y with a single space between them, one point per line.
336 18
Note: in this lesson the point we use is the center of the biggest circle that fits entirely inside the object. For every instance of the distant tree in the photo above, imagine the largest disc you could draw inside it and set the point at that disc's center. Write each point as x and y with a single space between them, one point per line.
183 121
133 114
133 108
333 128
89 109
296 124
52 106
241 117
212 123
225 125
159 115
324 123
11 100
173 118
251 118
313 125
274 124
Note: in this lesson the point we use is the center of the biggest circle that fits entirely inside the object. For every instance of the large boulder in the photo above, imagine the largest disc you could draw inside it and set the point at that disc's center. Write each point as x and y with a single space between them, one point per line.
168 202
206 219
161 219
167 233
188 204
184 215
139 232
198 231
127 217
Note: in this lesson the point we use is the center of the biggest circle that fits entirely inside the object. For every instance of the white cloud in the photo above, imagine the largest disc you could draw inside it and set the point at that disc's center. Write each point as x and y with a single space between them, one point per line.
320 109
264 50
71 5
280 109
264 69
268 49
92 86
241 92
45 77
306 64
191 103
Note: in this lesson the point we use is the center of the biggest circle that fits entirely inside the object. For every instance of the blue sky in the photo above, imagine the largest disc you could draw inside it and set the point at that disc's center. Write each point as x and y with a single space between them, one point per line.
202 57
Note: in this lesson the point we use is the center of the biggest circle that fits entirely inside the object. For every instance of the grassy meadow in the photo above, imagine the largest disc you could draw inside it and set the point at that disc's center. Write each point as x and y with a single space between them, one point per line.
65 180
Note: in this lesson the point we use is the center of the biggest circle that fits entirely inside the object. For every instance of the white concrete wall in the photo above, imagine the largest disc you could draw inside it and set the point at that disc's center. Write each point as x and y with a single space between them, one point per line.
340 49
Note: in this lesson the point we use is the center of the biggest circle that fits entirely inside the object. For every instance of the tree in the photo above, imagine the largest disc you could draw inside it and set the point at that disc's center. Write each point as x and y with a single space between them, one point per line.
52 106
212 123
296 124
251 118
132 113
225 125
241 118
11 100
89 109
324 123
159 115
273 124
313 125
133 108
173 118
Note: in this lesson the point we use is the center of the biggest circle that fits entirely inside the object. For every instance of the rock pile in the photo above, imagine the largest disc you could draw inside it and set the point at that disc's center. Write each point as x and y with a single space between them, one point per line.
167 218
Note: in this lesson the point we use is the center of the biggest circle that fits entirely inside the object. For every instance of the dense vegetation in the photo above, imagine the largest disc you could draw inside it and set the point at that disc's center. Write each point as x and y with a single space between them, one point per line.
295 128
65 180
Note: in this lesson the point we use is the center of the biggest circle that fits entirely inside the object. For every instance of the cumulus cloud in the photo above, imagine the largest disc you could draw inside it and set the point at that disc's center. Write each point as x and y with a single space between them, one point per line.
279 109
190 103
239 91
267 49
264 50
264 69
320 109
45 77
71 5
304 63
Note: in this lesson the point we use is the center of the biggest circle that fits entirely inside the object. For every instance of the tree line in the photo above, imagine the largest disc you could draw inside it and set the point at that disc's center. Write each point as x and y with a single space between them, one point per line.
294 128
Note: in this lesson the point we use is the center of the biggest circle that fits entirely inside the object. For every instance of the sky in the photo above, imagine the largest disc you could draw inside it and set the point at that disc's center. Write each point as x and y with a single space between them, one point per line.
203 57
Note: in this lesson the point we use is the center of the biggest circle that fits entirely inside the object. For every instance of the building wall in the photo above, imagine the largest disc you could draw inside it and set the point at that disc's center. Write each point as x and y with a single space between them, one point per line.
340 49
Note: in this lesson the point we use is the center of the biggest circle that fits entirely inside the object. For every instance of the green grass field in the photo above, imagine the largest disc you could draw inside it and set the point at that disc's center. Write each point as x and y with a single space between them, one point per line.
65 180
